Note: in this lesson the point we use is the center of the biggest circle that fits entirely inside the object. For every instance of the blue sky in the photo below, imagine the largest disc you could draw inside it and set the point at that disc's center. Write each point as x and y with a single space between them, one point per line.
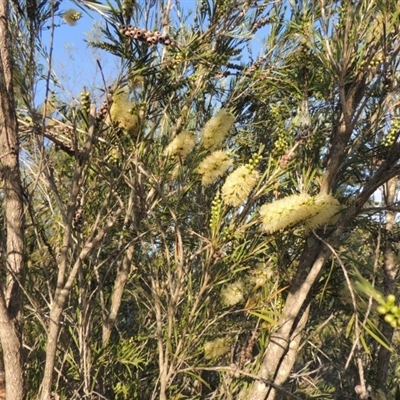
74 62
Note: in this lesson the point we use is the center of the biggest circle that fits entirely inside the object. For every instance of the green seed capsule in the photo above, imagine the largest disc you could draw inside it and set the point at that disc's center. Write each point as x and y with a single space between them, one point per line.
389 318
391 299
394 310
381 309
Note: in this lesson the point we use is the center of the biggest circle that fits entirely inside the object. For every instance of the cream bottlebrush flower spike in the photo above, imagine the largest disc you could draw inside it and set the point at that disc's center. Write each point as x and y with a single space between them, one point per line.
213 167
233 293
239 184
181 145
216 348
121 110
216 129
285 212
72 16
313 211
326 207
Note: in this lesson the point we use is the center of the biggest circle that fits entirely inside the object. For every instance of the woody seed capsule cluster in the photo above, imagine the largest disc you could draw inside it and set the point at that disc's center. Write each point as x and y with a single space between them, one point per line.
144 35
105 107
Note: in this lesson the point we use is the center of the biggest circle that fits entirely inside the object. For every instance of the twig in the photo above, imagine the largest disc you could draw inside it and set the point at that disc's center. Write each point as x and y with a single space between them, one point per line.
356 344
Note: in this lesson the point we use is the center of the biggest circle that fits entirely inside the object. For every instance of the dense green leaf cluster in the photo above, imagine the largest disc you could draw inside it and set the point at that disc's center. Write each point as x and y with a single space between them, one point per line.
167 285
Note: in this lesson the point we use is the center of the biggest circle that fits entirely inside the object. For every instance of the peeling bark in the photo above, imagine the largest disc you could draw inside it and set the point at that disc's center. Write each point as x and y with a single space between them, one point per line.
10 295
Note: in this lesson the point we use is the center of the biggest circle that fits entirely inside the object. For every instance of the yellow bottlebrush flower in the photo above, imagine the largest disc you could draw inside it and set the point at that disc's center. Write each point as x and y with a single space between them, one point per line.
259 280
121 111
181 145
233 293
238 185
49 106
216 348
216 129
326 207
127 8
261 275
72 16
128 121
286 212
214 166
313 211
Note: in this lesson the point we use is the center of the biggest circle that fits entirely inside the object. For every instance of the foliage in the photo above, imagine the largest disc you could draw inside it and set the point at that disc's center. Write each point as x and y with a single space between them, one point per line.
172 234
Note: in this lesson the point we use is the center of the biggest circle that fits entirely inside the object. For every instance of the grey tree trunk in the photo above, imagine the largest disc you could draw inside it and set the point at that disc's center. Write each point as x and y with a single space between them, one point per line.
390 271
10 295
